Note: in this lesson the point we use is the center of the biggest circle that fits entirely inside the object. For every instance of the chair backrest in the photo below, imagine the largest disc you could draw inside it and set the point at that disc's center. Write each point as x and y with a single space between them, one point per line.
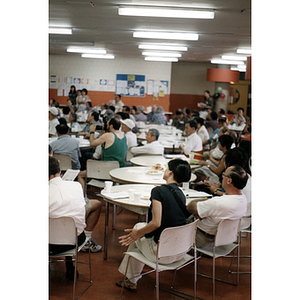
100 169
65 161
227 232
176 240
62 231
129 155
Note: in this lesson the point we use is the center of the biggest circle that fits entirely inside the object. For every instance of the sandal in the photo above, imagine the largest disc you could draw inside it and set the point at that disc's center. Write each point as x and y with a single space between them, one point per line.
127 285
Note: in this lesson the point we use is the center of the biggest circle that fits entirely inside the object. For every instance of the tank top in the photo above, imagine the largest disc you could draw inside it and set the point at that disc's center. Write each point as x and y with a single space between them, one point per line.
115 152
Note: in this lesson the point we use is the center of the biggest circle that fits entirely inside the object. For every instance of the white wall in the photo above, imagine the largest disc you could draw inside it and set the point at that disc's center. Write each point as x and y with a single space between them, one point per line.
75 66
190 78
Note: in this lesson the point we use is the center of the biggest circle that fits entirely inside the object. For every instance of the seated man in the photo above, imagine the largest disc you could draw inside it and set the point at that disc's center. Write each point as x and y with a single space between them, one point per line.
67 145
179 120
164 212
194 142
232 205
153 146
66 200
93 118
238 118
114 145
140 116
127 126
53 121
201 129
151 113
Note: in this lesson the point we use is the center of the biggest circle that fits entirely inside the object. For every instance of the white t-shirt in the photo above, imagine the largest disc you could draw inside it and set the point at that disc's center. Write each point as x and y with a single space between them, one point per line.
153 148
214 210
131 139
203 133
66 200
52 124
194 143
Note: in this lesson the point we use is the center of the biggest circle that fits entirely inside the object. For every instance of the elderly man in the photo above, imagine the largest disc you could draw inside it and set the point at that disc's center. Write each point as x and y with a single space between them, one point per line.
119 104
139 116
151 113
153 146
127 126
66 199
53 121
232 205
67 145
194 142
92 119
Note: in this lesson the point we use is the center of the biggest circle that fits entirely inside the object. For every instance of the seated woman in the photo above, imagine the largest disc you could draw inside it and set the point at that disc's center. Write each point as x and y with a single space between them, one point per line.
209 168
164 212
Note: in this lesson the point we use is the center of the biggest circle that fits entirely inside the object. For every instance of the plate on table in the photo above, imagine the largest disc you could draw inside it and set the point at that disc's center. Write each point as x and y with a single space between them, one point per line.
154 172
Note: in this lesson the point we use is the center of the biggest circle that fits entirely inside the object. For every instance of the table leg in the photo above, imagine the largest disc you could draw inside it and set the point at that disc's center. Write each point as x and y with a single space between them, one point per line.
106 231
114 217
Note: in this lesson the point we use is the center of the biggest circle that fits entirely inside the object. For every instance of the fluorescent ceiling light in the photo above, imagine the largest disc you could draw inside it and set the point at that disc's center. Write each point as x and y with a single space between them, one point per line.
86 50
106 56
234 57
161 54
170 59
165 12
60 30
225 62
163 47
166 35
243 51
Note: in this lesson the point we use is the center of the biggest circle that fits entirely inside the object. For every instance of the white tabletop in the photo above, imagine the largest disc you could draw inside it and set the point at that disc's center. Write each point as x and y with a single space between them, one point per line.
122 191
149 160
235 127
139 175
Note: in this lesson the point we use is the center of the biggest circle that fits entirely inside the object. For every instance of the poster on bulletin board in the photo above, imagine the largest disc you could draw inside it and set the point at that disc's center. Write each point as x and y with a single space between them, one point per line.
130 85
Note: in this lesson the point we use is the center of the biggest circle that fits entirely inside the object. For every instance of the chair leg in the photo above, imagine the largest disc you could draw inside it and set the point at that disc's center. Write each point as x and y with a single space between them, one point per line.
157 281
114 217
214 282
75 274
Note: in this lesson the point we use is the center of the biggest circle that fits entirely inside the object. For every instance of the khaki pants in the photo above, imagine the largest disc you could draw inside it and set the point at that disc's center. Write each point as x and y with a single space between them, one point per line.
149 249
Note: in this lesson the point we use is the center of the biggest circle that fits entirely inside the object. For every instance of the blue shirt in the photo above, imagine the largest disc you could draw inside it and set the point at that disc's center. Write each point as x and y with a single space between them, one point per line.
67 145
215 132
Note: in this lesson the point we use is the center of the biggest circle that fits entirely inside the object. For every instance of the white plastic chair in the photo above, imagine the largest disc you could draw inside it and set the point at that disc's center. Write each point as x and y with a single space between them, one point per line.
173 241
99 170
65 161
226 240
63 231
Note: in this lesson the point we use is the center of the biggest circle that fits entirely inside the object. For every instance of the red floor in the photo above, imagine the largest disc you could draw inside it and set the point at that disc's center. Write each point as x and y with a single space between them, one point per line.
105 272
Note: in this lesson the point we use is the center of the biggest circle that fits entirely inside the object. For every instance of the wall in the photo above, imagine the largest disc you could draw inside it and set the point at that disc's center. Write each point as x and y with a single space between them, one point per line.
188 85
75 66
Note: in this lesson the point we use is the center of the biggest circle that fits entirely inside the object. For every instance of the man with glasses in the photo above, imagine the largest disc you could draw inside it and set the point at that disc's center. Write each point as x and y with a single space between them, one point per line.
232 205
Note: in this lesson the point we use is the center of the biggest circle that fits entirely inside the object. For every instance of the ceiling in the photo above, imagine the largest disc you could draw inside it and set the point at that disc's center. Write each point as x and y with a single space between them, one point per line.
97 22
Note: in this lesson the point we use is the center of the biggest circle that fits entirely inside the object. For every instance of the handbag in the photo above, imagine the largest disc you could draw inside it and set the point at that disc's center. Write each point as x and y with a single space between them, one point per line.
189 217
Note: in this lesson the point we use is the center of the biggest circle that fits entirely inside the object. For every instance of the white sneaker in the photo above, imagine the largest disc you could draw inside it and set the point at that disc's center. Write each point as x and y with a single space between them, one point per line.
94 247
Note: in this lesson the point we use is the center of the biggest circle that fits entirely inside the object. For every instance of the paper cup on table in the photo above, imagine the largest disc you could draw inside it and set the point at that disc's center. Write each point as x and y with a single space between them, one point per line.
185 186
73 136
108 185
136 197
131 192
81 137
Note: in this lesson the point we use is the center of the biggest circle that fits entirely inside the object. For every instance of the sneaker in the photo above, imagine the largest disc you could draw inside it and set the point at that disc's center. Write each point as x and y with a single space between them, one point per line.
94 247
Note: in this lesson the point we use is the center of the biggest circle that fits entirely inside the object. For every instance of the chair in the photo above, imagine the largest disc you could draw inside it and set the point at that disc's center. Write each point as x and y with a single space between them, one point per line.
173 241
245 227
63 231
129 155
65 161
98 169
226 240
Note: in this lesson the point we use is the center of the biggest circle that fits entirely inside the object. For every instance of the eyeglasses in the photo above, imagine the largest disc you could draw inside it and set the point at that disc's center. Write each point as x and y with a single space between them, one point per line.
224 175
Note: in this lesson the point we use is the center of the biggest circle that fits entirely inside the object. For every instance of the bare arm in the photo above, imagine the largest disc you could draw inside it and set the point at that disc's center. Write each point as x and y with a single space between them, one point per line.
134 234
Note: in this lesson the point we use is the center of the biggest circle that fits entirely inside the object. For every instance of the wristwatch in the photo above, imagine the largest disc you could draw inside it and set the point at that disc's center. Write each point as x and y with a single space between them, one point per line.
92 132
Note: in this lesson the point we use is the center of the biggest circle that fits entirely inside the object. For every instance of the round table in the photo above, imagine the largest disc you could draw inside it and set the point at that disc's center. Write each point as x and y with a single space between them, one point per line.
139 175
149 160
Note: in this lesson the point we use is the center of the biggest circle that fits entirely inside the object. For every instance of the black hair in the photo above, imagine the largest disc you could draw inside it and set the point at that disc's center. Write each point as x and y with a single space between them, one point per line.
62 121
84 90
89 103
54 167
207 91
246 145
193 123
222 120
179 112
181 170
214 115
123 115
187 110
116 124
66 110
238 176
226 141
95 115
127 108
73 87
240 108
112 108
222 111
62 128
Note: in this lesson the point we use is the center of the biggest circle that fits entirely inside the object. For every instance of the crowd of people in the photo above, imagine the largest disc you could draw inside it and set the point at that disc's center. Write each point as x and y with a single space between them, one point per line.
223 169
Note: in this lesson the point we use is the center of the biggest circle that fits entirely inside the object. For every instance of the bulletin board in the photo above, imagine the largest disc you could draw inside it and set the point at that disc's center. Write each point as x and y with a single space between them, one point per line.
157 88
131 85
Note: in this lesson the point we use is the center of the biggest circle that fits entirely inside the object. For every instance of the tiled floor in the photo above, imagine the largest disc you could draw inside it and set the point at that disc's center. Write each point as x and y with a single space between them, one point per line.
105 272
